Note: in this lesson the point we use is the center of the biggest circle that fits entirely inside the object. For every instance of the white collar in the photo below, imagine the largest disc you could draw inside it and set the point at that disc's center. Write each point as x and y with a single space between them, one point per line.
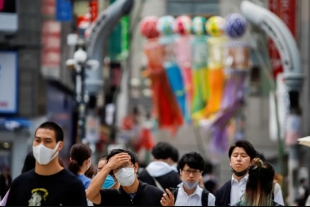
244 179
198 190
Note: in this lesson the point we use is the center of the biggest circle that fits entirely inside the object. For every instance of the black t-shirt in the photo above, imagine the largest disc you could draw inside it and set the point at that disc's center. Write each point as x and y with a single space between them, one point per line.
60 189
146 195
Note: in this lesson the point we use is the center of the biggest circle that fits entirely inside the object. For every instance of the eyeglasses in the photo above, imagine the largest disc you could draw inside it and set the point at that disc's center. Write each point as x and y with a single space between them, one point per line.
194 172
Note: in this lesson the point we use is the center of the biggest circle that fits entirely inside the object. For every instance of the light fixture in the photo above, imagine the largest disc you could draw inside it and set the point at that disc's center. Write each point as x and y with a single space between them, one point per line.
6 145
80 55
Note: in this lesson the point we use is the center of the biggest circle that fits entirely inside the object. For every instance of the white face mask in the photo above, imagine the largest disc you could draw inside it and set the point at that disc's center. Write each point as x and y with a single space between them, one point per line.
190 185
88 166
44 155
126 176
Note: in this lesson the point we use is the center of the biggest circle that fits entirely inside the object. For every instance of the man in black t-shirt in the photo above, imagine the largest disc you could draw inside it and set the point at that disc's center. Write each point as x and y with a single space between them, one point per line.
48 184
122 164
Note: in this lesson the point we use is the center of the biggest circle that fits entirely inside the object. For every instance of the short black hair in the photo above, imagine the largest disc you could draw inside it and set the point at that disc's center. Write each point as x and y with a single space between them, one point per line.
302 180
175 155
193 160
54 127
208 168
246 145
162 150
133 157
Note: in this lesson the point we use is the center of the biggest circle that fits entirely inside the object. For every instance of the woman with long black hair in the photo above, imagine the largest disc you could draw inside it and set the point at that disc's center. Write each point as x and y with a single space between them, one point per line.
260 185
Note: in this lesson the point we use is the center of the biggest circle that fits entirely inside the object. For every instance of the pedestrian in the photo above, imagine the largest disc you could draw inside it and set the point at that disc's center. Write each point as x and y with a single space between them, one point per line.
277 191
110 181
3 186
29 164
159 172
209 180
80 162
259 186
49 184
241 155
123 165
302 193
189 193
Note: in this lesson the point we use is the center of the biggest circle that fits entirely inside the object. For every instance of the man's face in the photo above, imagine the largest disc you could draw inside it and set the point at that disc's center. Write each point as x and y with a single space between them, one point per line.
101 164
239 159
189 174
47 137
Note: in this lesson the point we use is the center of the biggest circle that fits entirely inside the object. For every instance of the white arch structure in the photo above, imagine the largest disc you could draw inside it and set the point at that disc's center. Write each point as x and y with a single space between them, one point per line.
283 39
98 38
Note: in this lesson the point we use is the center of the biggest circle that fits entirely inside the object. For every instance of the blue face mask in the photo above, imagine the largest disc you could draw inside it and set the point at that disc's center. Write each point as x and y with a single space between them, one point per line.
109 182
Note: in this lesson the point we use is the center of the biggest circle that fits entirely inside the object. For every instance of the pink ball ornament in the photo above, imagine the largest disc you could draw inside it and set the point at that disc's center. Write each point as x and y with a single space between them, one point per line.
182 25
148 27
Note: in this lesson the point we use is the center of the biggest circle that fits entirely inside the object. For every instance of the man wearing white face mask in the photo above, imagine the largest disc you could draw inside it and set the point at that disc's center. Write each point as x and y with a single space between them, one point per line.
49 184
189 193
122 164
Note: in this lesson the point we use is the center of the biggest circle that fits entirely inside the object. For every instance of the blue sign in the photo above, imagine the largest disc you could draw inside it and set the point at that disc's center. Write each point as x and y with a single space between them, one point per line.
8 82
14 123
63 10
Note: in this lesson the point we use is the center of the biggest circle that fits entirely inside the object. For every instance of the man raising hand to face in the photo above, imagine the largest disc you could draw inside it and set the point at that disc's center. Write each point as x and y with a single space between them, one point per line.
122 165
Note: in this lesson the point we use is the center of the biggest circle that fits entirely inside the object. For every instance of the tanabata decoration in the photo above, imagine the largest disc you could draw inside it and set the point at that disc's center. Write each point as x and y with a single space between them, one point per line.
165 106
173 71
182 26
216 45
199 64
237 64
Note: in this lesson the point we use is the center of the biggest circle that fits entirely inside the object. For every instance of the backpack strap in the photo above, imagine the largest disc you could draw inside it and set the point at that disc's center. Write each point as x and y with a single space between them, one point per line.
158 185
205 198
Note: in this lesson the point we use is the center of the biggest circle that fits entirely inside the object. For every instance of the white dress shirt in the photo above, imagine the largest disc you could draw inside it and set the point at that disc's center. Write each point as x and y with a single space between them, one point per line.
194 199
277 192
238 189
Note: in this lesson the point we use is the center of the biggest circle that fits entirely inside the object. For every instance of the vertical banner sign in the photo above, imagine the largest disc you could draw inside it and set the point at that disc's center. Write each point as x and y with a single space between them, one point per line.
51 40
125 36
285 10
63 10
93 7
8 82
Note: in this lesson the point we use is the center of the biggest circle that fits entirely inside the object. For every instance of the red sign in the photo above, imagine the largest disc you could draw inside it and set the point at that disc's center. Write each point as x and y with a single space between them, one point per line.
50 39
93 10
48 7
286 11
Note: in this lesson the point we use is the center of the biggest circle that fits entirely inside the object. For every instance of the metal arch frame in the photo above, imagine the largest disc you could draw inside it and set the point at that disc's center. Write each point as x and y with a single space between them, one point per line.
97 41
283 38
